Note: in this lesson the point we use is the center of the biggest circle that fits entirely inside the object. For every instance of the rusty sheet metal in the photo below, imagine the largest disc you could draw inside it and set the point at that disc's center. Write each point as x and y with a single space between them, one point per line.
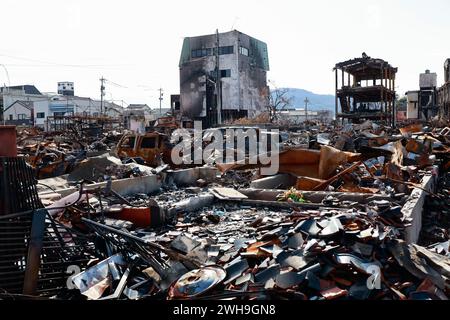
413 128
331 158
304 162
307 183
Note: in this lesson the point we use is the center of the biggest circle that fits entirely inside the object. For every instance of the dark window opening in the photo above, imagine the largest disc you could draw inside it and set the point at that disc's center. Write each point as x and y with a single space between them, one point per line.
40 115
199 53
225 73
226 50
148 143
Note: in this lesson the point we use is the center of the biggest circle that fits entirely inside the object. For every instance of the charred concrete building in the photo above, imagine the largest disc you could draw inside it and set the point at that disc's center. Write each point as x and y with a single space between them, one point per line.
365 89
422 104
444 94
223 77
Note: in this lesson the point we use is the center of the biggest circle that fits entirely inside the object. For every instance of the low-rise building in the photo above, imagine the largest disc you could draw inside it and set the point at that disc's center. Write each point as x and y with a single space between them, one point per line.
28 106
137 117
20 113
297 116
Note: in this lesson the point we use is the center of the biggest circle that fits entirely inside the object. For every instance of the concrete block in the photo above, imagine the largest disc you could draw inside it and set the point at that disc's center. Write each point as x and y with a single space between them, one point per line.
413 209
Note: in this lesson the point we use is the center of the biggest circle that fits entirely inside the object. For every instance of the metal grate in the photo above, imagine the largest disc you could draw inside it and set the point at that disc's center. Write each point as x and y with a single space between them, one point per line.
35 250
25 236
18 191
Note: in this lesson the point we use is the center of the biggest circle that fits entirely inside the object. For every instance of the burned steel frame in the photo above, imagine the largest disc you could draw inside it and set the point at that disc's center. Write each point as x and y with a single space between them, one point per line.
80 122
35 245
375 100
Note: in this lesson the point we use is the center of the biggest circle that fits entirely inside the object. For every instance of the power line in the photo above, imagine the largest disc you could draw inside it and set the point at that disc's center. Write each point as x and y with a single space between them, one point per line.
115 84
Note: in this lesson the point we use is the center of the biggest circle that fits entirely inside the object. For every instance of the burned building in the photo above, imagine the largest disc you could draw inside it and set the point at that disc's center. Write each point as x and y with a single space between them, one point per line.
223 77
444 93
422 104
365 89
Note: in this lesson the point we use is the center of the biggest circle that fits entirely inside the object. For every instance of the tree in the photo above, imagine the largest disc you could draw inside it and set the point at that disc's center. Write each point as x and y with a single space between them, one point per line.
278 101
401 103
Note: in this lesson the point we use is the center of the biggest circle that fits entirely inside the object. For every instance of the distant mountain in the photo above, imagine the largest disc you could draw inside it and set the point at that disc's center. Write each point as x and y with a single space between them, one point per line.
316 101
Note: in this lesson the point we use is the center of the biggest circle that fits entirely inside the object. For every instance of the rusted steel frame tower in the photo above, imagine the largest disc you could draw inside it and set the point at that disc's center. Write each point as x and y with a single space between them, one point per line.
365 90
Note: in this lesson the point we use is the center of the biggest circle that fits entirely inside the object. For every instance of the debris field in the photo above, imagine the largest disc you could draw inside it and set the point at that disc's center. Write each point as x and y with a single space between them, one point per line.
356 212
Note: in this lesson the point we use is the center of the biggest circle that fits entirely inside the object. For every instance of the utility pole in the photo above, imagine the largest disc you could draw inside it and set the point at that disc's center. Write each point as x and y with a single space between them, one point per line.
306 108
102 93
160 100
4 90
218 82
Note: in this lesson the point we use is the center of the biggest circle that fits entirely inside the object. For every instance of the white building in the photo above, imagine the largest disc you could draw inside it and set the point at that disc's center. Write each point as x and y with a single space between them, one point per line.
20 103
39 107
137 117
412 109
297 116
19 113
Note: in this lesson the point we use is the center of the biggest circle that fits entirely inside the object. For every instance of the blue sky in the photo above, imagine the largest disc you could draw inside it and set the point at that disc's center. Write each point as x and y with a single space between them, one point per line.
137 44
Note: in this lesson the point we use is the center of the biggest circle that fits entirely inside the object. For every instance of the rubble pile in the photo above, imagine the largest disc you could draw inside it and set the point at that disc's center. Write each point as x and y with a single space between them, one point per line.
356 212
57 153
260 252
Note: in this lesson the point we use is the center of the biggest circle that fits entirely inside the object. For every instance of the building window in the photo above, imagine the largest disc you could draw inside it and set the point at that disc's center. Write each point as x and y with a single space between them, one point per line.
199 53
58 114
21 116
243 51
40 115
225 73
11 117
226 50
